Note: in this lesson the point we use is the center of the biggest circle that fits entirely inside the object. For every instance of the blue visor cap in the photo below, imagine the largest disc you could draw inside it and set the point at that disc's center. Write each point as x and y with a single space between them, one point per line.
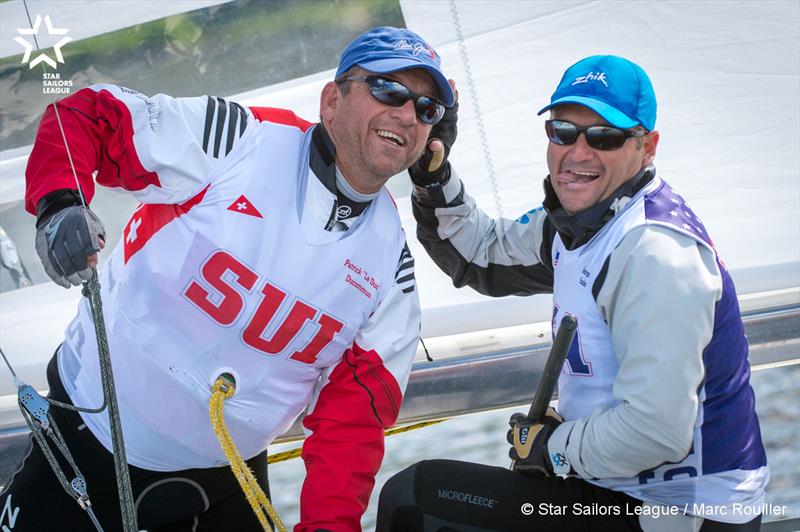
611 86
384 50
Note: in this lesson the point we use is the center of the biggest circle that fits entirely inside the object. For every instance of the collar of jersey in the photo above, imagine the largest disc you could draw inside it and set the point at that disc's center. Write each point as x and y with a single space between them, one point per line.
577 229
313 228
322 161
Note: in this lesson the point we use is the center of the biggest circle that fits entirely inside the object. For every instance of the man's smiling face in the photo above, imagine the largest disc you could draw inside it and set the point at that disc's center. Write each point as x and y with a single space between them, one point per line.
375 141
581 175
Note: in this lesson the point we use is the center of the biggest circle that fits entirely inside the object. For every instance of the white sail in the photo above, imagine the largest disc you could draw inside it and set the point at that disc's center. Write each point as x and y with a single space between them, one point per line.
727 78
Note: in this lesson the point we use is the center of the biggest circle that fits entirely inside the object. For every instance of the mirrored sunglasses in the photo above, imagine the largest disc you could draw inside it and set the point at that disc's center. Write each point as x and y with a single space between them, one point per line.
566 133
394 93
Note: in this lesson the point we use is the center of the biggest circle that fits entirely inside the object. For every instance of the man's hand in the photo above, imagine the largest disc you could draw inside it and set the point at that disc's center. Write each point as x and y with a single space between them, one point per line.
529 443
67 244
432 167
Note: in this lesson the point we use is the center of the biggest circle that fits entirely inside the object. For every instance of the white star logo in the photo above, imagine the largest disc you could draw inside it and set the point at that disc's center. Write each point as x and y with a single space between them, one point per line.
241 205
673 213
132 236
35 31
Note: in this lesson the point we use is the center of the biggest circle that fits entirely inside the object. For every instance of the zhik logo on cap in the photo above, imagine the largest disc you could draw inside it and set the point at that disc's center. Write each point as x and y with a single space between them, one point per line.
591 76
615 88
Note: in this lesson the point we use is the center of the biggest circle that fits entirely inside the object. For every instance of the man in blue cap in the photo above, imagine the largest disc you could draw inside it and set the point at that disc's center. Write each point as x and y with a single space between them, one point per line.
266 248
656 428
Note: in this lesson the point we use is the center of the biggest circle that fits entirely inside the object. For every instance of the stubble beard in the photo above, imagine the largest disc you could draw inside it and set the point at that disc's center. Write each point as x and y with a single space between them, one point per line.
378 177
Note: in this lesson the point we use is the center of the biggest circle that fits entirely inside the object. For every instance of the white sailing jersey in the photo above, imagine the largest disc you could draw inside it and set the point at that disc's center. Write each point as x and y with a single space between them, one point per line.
220 270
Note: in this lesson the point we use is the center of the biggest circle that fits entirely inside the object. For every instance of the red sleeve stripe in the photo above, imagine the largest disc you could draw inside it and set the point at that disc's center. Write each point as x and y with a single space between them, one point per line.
280 116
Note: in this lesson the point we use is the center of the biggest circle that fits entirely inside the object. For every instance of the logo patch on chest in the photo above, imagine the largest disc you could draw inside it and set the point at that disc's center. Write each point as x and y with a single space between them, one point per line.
244 206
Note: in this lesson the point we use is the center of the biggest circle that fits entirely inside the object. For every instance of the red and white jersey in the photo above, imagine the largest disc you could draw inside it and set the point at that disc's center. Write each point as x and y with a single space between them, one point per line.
219 271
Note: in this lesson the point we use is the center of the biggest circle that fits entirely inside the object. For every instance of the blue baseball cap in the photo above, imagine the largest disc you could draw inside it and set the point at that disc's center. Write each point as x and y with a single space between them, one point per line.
385 49
613 87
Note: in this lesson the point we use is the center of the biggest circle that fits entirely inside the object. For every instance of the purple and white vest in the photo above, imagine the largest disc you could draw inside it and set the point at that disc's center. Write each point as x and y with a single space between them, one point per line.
726 465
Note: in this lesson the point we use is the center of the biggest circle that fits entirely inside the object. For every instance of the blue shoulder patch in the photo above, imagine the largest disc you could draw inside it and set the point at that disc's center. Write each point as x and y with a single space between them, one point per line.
525 218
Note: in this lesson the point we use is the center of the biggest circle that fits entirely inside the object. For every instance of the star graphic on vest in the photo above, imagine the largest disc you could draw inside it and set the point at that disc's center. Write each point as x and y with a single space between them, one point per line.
132 230
243 205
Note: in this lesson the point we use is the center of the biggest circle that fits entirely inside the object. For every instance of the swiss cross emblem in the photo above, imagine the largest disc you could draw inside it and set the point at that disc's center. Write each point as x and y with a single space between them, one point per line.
242 205
132 229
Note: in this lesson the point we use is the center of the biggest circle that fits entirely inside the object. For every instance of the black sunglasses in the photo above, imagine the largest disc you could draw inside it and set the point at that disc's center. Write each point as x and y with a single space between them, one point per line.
566 133
394 93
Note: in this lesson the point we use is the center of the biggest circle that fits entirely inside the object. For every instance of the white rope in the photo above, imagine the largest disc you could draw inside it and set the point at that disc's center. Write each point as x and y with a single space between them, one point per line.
487 156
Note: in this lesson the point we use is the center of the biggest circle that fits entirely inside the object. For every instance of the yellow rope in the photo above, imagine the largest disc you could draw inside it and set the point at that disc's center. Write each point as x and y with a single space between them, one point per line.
413 426
294 453
223 389
258 500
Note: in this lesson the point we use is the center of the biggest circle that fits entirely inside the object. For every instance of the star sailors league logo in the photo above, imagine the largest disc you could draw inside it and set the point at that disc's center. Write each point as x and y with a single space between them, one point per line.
29 46
243 206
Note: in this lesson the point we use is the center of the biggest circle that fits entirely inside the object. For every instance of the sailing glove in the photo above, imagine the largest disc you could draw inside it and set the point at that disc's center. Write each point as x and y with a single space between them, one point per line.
433 169
528 441
65 239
